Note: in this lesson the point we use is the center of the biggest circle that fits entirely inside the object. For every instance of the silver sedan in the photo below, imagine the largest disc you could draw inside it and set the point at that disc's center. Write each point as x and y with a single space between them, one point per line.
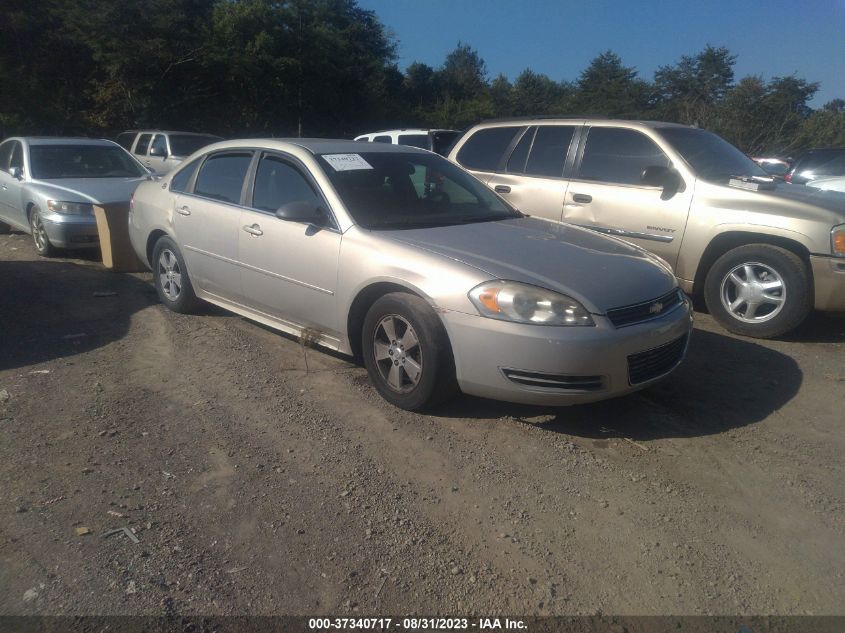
49 186
404 260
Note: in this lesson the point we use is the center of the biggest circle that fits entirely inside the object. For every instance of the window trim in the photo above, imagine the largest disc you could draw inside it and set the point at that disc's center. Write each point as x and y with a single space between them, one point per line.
229 150
582 146
302 169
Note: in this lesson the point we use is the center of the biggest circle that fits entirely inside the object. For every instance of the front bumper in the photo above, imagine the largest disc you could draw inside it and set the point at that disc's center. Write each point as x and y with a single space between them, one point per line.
71 231
509 361
829 282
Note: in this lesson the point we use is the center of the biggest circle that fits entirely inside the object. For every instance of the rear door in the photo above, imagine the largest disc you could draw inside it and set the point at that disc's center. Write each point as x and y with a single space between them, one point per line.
606 192
289 269
532 179
207 222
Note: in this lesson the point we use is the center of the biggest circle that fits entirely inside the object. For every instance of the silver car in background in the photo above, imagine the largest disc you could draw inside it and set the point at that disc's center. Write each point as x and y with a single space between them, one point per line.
162 150
396 255
49 186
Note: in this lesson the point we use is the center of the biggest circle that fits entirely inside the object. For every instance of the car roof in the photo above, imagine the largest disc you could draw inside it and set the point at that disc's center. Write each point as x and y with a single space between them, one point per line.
63 140
583 120
156 131
411 130
317 145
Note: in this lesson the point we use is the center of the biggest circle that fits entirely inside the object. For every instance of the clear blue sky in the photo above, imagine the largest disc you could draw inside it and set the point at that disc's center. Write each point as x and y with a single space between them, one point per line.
559 38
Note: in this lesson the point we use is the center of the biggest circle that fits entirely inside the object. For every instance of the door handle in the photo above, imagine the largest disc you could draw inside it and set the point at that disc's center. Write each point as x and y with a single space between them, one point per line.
253 230
183 210
502 189
582 197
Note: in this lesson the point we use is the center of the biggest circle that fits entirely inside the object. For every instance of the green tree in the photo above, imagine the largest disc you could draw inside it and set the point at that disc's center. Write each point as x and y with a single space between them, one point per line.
608 87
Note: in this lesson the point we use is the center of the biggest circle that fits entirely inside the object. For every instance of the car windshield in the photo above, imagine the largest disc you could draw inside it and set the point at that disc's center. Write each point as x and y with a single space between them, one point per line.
82 161
393 190
710 156
187 144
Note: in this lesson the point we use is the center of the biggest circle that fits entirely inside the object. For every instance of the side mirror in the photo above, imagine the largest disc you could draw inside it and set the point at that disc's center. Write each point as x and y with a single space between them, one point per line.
157 151
302 211
661 176
16 173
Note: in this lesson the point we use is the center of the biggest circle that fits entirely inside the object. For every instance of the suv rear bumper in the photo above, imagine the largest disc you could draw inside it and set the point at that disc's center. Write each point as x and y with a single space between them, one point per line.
829 282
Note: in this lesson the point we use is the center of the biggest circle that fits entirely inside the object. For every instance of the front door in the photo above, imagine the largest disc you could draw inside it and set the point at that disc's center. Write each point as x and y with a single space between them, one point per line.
607 194
289 269
207 223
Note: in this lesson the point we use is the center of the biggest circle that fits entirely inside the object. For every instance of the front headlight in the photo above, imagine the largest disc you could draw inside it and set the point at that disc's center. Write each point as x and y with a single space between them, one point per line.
837 240
522 303
70 208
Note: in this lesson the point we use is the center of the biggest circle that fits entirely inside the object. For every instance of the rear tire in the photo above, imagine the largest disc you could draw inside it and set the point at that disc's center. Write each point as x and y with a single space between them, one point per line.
759 290
170 277
407 352
39 234
4 228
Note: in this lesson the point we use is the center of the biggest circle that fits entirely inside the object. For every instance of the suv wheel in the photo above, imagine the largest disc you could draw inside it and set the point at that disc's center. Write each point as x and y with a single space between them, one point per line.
758 290
407 353
171 278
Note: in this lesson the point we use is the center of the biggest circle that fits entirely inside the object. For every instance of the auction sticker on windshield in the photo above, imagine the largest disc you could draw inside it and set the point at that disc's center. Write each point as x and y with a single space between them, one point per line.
346 162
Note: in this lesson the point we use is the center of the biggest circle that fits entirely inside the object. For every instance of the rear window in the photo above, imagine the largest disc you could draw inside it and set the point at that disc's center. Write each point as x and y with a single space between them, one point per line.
414 140
548 152
442 141
484 150
382 139
180 181
125 140
222 177
187 144
828 162
142 144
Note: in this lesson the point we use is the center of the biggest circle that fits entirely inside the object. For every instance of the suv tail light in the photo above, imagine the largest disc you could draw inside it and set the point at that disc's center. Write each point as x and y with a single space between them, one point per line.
788 177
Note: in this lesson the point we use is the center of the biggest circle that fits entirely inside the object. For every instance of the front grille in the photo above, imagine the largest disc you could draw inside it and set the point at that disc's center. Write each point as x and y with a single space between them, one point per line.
554 381
639 312
653 363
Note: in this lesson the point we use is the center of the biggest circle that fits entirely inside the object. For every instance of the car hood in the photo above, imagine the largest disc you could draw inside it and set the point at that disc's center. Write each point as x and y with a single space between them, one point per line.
600 272
93 190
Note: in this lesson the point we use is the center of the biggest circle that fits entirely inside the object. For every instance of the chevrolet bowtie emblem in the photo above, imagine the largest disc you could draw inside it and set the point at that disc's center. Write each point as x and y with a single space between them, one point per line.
655 308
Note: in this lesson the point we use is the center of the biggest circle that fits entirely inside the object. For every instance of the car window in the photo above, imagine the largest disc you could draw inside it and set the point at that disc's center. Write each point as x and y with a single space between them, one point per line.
484 149
405 190
142 144
125 140
710 156
187 144
415 140
6 154
516 163
277 183
548 152
382 139
826 162
17 156
442 141
222 177
160 143
619 156
82 161
180 181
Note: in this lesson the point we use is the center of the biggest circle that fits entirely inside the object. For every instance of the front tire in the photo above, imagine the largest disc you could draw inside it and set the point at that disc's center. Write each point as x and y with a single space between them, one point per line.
759 290
171 278
39 234
407 352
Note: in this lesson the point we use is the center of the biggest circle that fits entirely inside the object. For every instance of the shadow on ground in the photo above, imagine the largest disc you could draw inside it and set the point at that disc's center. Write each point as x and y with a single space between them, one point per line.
55 308
725 383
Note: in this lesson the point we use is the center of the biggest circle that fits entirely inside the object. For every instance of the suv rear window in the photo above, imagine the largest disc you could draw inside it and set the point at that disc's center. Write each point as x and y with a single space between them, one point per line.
548 153
414 140
484 149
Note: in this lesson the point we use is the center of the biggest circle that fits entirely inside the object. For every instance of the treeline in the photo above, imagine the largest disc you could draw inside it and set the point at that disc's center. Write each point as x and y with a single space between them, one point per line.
328 68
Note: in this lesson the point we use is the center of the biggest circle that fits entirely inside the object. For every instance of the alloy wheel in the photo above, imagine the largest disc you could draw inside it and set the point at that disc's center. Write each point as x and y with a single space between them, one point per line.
169 274
753 292
397 352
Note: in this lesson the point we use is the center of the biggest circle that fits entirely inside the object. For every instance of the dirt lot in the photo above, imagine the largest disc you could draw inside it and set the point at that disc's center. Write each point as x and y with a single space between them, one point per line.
264 478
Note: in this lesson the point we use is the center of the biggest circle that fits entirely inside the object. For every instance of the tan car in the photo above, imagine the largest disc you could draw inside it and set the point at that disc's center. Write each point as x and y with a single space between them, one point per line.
762 254
403 259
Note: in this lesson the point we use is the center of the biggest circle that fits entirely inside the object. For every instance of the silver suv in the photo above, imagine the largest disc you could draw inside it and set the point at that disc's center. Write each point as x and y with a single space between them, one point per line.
160 150
761 253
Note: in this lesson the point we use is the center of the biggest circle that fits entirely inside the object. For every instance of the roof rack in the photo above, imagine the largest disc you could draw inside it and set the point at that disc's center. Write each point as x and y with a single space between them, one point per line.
543 117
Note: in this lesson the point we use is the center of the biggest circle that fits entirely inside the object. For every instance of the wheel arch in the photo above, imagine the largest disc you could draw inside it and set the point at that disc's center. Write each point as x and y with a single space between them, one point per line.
361 304
152 238
724 242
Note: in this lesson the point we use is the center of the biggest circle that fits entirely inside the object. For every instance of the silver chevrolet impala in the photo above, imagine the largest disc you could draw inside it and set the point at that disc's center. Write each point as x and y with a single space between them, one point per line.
404 260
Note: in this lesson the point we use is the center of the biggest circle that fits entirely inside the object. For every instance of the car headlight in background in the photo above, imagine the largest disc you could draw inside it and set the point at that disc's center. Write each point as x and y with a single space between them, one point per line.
523 303
70 208
837 240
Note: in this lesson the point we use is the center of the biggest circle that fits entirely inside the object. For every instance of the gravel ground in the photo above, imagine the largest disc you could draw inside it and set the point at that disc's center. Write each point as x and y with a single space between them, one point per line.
262 477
